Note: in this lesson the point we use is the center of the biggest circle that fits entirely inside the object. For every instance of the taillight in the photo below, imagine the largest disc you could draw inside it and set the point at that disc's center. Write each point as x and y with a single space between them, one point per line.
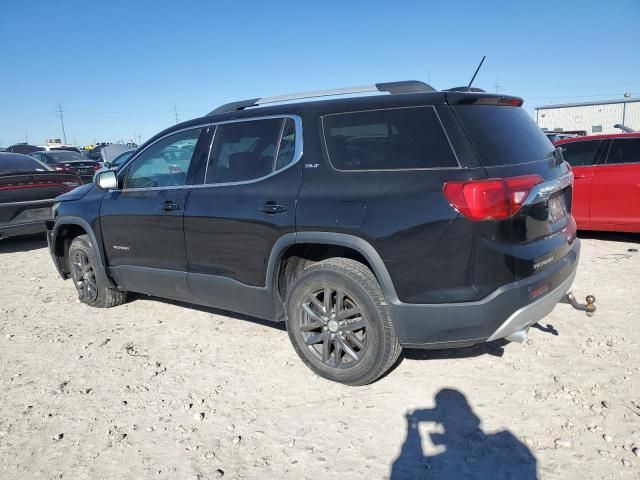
97 167
491 199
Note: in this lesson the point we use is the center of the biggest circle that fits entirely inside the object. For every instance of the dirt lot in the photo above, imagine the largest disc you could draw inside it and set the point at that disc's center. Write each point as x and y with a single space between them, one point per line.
154 389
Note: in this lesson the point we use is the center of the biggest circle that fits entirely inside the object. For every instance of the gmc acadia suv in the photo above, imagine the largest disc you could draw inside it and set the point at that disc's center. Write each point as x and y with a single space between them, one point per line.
419 218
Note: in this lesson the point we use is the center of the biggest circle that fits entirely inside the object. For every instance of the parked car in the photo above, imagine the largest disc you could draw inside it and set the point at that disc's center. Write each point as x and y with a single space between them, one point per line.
420 218
68 161
121 159
27 190
24 148
607 181
96 152
109 153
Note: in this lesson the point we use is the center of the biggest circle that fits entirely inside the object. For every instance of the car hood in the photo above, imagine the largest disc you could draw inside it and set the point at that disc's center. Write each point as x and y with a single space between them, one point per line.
76 194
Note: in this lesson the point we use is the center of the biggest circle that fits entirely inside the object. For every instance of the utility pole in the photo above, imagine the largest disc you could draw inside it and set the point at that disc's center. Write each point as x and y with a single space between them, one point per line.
497 86
175 112
64 134
26 138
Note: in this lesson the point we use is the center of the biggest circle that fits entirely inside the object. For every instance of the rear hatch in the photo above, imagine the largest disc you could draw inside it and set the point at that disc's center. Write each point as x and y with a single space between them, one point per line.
511 147
27 197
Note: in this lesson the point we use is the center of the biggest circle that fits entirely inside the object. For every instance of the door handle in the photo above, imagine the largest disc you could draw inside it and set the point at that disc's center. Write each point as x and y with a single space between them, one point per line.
272 208
579 176
170 206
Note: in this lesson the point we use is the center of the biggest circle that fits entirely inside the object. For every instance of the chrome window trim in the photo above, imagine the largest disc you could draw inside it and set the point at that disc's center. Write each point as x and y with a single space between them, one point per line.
446 135
297 120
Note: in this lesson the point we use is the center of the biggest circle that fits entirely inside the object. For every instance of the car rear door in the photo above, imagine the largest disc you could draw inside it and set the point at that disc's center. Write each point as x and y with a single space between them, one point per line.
615 194
142 220
583 156
246 203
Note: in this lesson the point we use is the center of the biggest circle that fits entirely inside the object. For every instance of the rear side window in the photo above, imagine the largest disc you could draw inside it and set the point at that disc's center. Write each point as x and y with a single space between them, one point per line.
624 151
579 154
250 150
504 135
389 139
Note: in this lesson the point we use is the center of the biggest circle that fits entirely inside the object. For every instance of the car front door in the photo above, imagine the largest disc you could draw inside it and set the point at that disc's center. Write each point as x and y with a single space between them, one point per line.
583 157
142 220
245 204
615 203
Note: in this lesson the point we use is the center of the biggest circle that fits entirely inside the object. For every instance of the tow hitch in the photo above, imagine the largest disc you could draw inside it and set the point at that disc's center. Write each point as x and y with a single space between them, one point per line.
589 307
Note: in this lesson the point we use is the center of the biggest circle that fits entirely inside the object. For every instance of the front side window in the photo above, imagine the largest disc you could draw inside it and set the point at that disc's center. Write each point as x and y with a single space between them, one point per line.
250 150
624 151
165 163
389 139
580 154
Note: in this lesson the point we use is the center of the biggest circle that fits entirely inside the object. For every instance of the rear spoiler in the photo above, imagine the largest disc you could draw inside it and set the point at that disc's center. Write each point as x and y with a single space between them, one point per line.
477 98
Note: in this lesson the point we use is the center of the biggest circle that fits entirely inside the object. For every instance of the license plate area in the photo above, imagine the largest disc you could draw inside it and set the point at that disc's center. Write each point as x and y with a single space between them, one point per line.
557 208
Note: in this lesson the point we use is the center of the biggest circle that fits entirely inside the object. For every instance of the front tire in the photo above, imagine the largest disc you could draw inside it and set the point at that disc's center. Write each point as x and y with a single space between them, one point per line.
82 265
339 322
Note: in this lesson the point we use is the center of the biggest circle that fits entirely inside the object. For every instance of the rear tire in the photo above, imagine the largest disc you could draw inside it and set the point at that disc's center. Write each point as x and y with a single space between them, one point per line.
82 265
339 323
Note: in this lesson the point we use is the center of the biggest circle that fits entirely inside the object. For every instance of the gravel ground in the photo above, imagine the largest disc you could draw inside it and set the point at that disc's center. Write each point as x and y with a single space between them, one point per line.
154 389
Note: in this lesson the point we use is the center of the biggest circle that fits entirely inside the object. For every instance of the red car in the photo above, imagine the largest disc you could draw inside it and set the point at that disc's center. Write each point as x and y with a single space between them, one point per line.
606 193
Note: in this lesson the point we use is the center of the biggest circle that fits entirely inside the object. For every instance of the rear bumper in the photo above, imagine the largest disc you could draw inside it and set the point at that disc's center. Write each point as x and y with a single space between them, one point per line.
507 310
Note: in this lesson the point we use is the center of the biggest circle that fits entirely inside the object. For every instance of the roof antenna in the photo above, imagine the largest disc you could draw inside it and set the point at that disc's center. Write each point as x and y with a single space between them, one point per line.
477 70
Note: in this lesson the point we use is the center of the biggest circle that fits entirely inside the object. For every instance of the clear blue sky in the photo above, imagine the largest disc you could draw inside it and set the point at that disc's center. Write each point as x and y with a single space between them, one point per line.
118 67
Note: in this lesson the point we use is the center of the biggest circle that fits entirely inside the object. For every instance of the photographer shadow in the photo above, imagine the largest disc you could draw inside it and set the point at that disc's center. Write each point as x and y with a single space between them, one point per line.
463 451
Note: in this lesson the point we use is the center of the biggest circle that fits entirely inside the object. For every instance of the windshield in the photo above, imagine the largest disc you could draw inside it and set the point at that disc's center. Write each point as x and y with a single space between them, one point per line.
504 135
62 156
20 163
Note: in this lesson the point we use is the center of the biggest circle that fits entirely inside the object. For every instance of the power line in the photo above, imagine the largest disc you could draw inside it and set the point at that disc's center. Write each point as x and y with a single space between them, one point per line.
64 134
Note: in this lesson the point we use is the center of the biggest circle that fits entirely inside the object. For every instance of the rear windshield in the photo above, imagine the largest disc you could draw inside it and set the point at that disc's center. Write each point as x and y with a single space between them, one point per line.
504 135
388 139
20 163
62 156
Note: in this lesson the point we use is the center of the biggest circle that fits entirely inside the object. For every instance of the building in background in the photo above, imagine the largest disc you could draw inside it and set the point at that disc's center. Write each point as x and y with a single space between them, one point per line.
590 117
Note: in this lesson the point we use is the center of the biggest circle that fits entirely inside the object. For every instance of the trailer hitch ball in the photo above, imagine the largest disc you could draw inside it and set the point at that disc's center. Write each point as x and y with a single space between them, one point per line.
590 306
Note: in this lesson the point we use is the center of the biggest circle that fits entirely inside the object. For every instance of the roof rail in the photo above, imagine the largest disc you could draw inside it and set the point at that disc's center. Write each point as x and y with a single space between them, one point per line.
407 86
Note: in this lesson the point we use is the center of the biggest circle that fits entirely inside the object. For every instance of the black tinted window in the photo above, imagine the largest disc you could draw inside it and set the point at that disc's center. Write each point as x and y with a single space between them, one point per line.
62 156
398 138
504 135
580 153
287 149
246 150
624 151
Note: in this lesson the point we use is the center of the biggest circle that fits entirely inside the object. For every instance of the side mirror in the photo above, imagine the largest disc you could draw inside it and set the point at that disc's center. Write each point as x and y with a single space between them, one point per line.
106 179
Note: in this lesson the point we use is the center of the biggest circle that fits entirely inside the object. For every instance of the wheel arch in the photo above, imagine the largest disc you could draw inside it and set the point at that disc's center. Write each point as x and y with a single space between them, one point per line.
361 249
64 231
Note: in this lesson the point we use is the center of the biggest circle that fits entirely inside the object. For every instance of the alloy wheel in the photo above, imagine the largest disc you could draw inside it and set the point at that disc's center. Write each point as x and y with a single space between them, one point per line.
84 277
333 327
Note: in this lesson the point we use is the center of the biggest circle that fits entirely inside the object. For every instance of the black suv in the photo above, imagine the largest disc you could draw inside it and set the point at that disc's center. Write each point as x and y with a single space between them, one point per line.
419 218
